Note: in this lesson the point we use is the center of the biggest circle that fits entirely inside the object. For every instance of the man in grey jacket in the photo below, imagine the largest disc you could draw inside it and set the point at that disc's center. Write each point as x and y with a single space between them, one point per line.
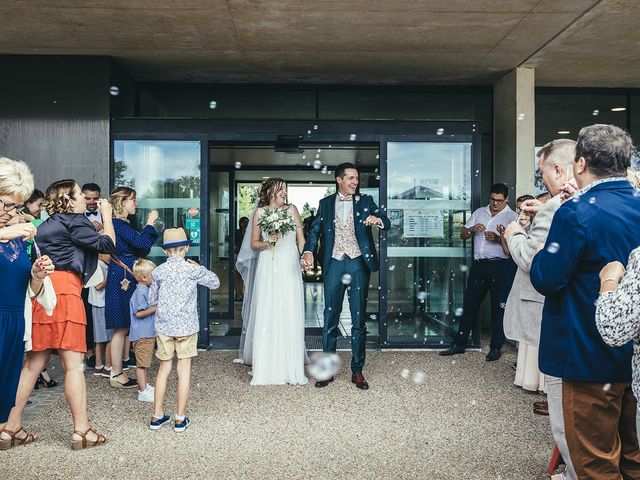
523 312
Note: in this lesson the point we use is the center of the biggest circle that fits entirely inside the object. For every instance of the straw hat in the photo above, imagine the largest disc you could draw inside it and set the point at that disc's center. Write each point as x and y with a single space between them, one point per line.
174 237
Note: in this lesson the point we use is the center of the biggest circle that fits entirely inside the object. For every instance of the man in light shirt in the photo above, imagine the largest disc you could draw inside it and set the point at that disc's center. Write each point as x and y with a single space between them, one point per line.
491 270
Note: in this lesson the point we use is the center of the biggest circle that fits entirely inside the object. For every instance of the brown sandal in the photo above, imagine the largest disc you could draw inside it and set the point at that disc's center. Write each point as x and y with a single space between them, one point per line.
6 444
84 443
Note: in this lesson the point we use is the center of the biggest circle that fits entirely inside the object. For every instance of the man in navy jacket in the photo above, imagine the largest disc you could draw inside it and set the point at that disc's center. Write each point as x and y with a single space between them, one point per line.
600 224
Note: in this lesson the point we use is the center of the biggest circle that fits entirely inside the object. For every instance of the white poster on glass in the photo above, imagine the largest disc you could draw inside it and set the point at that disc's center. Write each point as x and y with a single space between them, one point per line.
428 223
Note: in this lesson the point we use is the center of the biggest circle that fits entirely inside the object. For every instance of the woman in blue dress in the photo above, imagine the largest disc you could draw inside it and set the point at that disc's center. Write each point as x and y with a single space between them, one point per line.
16 184
130 245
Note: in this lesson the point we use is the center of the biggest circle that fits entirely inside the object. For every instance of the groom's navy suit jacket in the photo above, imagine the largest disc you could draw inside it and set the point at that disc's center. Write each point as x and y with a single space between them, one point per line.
324 227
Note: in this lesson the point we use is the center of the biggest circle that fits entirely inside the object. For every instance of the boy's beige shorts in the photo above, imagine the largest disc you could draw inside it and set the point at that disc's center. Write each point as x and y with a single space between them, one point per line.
181 347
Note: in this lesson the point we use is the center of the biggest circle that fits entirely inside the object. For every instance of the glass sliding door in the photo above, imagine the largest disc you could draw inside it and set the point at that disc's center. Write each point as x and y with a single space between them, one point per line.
166 177
428 200
221 259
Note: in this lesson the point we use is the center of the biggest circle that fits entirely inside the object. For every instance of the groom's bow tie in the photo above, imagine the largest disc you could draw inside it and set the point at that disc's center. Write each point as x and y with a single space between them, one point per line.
89 213
345 199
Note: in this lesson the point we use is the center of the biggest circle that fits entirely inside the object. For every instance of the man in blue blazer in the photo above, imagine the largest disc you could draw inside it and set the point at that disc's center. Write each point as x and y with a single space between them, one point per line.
343 223
598 225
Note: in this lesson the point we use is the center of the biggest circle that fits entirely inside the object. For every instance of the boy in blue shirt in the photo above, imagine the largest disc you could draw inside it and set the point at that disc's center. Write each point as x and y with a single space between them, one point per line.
143 329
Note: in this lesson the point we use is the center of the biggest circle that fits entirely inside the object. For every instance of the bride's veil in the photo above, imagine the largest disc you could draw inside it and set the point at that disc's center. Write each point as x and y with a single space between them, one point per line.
246 266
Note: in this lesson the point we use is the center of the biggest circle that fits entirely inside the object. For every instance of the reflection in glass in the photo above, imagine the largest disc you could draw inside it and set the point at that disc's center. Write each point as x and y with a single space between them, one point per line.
558 111
166 177
428 202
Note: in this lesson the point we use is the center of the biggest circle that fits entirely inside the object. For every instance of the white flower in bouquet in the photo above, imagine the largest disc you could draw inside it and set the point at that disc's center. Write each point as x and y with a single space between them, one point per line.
276 220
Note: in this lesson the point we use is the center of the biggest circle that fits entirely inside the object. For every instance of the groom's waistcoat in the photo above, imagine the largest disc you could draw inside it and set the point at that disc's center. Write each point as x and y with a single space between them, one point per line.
345 239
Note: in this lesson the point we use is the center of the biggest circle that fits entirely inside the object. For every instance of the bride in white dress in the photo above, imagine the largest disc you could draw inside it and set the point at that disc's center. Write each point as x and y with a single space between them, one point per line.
273 310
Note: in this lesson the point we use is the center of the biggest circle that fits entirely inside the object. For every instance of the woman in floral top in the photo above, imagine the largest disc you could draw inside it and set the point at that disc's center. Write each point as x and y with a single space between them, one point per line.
618 311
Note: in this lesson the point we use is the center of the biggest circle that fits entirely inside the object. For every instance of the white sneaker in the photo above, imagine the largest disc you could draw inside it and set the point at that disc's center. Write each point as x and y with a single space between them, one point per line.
146 395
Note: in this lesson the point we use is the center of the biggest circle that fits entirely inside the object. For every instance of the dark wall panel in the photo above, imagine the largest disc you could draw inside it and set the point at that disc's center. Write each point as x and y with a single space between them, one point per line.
54 115
253 102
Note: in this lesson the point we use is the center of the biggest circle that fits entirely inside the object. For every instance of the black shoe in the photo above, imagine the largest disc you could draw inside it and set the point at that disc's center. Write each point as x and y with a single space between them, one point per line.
131 363
324 383
494 354
452 350
360 382
91 361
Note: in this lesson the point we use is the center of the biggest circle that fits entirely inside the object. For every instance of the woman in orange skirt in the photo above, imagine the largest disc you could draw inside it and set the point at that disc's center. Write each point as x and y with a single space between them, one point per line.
71 241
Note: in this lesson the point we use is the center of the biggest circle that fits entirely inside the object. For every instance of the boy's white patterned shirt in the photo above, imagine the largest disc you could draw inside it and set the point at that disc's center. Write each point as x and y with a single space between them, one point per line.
175 292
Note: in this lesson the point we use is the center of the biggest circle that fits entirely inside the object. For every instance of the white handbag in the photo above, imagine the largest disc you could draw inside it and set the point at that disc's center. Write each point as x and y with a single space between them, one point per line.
47 298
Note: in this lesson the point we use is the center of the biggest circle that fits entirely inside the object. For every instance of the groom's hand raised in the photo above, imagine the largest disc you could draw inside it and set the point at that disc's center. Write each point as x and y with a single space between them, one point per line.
373 220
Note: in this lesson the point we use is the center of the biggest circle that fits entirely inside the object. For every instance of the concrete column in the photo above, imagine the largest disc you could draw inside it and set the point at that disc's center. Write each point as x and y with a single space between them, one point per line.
514 131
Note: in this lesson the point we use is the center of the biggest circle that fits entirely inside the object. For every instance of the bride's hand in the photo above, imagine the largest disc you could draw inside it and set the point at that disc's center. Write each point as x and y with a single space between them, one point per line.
274 237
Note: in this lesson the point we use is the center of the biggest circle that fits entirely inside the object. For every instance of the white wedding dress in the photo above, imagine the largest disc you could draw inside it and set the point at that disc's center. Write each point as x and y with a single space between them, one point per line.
279 352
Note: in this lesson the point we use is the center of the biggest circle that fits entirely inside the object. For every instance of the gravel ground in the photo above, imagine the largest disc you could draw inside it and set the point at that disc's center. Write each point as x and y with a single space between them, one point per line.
465 420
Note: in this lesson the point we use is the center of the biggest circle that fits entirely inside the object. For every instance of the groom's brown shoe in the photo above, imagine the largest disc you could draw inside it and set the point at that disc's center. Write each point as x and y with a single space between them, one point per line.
324 383
360 382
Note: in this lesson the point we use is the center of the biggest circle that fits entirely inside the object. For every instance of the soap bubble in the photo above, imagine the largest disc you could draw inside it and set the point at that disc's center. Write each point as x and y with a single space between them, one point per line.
405 373
392 268
419 377
459 311
213 104
592 200
346 279
324 366
317 164
606 387
421 296
114 90
440 131
315 127
595 113
521 116
352 137
238 165
553 247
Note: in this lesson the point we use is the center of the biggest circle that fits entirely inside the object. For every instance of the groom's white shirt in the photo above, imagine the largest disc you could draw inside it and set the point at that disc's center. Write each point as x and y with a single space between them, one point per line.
343 208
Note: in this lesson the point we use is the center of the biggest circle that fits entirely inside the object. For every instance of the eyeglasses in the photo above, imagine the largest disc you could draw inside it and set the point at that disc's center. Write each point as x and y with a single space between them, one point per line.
7 206
497 201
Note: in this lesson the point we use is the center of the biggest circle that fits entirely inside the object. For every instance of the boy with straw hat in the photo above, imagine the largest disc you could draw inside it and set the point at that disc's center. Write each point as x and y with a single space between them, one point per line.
175 291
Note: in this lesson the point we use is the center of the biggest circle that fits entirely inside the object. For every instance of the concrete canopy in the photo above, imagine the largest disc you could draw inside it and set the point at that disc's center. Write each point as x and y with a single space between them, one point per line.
472 42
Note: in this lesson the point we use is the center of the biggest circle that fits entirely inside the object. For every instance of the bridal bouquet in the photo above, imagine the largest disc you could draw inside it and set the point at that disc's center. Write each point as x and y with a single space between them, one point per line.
276 220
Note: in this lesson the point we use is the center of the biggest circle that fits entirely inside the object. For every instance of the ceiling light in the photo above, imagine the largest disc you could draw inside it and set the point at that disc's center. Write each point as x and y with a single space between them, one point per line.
618 109
564 132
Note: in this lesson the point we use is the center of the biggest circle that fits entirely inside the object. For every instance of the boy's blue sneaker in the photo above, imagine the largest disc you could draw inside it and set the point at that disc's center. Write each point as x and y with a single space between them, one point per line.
181 426
157 423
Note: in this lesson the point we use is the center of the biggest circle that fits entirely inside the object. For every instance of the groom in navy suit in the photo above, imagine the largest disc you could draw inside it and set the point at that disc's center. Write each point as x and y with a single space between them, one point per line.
344 222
